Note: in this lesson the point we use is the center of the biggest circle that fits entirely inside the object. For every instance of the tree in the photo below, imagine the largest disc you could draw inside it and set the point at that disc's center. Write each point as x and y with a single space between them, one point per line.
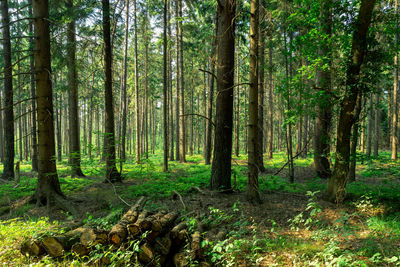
253 127
336 188
8 171
138 139
165 87
323 121
48 186
75 147
221 165
394 132
182 117
112 175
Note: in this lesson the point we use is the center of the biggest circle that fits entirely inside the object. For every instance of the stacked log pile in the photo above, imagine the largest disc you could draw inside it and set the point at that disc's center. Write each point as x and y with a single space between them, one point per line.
162 237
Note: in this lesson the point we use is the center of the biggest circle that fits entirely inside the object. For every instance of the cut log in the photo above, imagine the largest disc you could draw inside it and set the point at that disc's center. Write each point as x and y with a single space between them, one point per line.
195 246
80 249
152 222
204 264
146 254
91 237
179 227
180 260
32 248
134 229
163 245
119 233
53 247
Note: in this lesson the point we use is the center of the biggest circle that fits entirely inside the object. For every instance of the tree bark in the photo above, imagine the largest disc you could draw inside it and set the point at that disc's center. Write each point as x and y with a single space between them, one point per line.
182 118
75 148
369 126
8 170
336 189
270 130
323 121
377 124
394 132
211 93
112 175
165 87
48 186
254 146
354 140
177 64
137 108
221 166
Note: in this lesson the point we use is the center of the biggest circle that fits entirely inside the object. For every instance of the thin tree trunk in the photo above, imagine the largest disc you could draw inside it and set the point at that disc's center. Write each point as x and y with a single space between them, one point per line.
270 130
8 169
74 150
353 144
394 132
165 87
211 93
260 86
237 132
369 126
58 124
254 111
138 139
182 118
170 102
377 124
112 175
146 90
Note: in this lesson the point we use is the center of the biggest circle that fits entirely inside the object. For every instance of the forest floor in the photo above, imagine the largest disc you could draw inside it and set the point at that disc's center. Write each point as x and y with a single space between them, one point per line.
293 226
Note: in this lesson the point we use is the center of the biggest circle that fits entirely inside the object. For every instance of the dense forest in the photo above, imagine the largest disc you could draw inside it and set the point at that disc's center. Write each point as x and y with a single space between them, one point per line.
199 133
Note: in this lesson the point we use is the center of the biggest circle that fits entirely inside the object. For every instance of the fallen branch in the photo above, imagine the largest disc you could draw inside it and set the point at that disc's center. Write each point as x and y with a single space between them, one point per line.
298 154
180 198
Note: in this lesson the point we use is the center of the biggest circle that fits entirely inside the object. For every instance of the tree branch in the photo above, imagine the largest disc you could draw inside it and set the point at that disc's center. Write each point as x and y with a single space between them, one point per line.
195 114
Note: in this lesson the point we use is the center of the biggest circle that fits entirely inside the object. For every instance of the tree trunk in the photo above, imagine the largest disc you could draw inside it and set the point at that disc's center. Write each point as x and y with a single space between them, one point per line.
48 186
394 132
237 131
377 124
270 130
8 170
146 89
165 87
336 189
260 86
221 166
323 121
254 110
369 126
170 102
211 93
353 144
2 129
182 118
58 123
112 175
138 139
74 136
177 77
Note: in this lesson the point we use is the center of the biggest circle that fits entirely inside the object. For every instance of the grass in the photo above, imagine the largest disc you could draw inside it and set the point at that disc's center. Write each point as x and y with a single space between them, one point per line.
365 233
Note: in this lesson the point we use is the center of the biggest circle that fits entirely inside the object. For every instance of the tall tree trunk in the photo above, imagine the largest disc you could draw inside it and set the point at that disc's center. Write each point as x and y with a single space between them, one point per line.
58 124
177 77
112 175
336 189
2 129
353 143
395 97
211 91
182 118
146 89
74 150
90 130
323 121
377 124
8 170
124 89
48 186
254 110
237 126
260 86
137 107
170 102
270 130
369 126
221 165
165 87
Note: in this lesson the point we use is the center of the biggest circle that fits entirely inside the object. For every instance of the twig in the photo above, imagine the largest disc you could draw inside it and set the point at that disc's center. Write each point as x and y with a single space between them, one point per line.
209 72
180 198
120 198
298 154
195 114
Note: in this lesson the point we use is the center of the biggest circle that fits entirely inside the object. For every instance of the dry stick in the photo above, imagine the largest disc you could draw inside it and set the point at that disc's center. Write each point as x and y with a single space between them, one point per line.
180 198
298 154
195 114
